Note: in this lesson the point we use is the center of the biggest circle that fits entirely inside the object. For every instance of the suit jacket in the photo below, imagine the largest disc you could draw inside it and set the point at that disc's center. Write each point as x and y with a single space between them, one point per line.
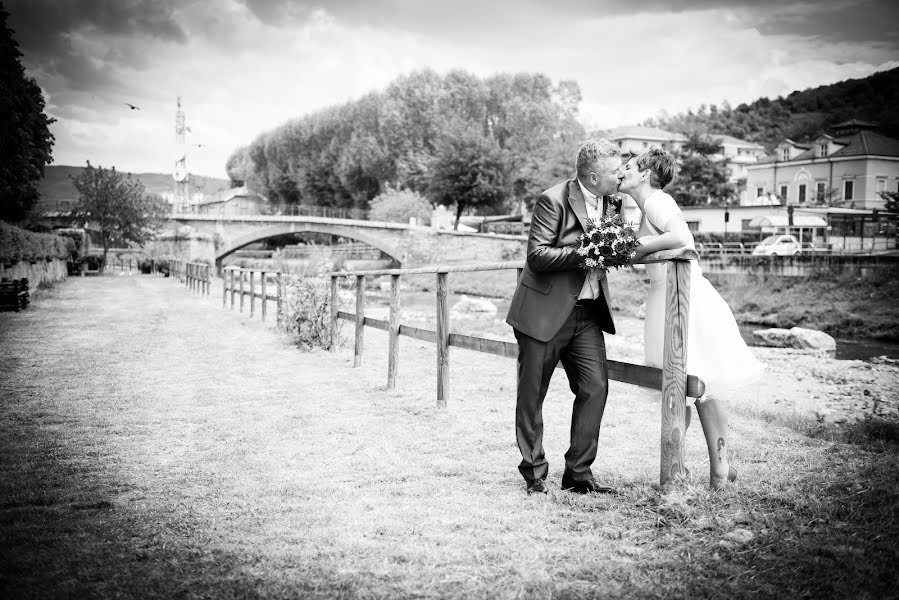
553 276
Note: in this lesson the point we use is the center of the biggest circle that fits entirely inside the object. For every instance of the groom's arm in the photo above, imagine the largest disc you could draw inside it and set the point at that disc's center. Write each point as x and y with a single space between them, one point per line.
546 226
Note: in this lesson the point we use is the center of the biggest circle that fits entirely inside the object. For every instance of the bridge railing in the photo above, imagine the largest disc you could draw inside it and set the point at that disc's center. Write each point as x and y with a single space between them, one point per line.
672 379
233 283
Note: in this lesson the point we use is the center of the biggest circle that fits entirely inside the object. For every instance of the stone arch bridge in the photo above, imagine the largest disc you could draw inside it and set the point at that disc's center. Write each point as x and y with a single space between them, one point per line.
213 238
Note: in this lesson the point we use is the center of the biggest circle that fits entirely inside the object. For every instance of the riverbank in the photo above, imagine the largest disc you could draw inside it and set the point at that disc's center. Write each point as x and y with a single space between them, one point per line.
842 306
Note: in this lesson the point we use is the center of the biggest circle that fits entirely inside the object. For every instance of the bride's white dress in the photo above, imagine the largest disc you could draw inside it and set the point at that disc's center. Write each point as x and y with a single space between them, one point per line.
716 351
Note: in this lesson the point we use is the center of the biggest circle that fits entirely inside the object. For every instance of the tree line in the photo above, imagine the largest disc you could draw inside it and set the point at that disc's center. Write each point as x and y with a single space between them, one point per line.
454 139
800 116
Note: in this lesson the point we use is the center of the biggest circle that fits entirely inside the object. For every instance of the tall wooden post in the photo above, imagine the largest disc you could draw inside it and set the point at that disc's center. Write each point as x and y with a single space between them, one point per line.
442 341
232 287
335 301
393 332
360 319
224 290
252 293
240 274
674 369
264 296
208 279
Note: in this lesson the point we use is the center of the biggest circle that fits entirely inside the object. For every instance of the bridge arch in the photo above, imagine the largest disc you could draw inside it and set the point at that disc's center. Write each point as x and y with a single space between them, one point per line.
356 234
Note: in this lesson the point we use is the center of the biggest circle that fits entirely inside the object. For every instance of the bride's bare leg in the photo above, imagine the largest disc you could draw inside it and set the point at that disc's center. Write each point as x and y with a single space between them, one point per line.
713 417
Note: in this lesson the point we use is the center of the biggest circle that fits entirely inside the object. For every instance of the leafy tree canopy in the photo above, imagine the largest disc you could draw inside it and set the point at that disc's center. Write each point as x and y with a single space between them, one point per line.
119 205
25 138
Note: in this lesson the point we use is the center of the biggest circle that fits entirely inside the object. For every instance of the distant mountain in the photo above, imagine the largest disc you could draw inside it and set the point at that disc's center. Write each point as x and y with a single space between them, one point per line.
58 193
801 116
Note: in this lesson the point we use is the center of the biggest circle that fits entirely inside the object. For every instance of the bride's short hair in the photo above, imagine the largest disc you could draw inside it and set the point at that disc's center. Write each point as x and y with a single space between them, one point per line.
661 164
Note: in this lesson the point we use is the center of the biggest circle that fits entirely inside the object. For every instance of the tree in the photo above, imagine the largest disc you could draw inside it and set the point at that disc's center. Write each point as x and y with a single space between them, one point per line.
700 177
399 205
469 170
25 138
891 201
119 206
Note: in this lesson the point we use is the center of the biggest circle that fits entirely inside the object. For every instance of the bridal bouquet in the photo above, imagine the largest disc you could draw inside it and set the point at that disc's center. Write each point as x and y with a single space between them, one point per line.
608 243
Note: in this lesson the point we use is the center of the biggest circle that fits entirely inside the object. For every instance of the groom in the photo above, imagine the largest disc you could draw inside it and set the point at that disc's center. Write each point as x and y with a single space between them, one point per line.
559 312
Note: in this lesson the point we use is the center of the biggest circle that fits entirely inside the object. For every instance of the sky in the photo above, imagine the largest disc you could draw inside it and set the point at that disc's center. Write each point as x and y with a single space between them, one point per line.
243 67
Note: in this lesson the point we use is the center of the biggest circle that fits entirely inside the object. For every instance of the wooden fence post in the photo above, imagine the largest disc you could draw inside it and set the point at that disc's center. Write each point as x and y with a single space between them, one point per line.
241 273
252 292
232 286
360 319
208 279
674 369
335 300
264 296
442 341
393 332
224 290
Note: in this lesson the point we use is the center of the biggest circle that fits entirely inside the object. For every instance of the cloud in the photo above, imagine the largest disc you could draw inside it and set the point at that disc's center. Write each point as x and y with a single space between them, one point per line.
243 67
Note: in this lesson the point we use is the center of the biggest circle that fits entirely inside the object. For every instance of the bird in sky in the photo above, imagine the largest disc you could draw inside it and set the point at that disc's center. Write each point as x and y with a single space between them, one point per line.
131 106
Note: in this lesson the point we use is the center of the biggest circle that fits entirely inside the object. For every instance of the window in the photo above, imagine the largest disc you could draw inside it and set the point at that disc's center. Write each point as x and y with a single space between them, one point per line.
693 226
759 191
801 193
847 190
783 193
820 191
745 225
822 149
785 154
881 186
645 144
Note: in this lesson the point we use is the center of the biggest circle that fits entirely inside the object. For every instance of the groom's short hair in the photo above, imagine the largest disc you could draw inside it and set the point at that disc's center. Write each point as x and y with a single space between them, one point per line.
661 164
591 152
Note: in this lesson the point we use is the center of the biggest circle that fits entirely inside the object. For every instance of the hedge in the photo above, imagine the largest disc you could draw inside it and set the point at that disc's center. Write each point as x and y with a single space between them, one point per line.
17 245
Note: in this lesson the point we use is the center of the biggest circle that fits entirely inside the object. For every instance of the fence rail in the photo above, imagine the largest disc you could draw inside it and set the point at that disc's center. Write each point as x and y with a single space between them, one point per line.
672 379
249 276
196 276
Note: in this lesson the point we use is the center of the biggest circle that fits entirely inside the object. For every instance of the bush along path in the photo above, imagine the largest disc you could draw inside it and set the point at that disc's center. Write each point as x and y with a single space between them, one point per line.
156 445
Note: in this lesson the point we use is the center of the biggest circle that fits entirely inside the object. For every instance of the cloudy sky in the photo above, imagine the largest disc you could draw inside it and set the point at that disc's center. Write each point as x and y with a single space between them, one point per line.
243 67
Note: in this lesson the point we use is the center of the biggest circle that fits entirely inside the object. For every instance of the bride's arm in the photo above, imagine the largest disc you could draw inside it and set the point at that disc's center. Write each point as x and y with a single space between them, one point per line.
675 235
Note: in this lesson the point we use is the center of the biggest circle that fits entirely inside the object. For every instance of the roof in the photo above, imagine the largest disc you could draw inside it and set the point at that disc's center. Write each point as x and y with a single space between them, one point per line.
854 123
783 221
863 143
729 139
645 133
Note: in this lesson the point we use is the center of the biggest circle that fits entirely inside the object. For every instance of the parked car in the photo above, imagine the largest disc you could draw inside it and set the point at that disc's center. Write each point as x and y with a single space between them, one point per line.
778 245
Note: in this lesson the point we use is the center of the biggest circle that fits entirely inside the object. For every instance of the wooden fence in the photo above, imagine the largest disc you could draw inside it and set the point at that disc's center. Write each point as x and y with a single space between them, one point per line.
672 379
196 276
248 276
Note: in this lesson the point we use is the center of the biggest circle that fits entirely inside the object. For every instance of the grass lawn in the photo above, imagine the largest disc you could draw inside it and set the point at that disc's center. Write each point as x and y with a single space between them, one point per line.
155 445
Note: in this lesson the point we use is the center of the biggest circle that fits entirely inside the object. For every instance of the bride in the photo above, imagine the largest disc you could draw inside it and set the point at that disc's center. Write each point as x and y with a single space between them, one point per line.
715 350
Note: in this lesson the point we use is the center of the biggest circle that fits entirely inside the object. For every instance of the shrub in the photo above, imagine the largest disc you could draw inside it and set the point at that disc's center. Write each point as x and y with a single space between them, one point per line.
399 205
306 308
20 245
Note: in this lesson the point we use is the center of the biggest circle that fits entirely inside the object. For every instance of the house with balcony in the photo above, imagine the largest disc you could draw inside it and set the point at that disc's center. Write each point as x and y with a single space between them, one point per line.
850 166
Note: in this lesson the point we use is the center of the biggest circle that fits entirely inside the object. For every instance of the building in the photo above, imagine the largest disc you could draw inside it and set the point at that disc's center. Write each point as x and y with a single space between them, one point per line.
636 140
737 154
850 167
234 202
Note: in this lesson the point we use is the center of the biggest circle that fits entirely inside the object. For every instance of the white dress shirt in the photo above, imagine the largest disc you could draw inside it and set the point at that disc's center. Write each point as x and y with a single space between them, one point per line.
590 291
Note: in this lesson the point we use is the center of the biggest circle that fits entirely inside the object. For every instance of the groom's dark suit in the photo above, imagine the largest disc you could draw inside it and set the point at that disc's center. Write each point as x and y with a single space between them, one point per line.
551 325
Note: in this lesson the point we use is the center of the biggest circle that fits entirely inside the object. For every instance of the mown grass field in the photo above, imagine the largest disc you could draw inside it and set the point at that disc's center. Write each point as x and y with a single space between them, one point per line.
155 445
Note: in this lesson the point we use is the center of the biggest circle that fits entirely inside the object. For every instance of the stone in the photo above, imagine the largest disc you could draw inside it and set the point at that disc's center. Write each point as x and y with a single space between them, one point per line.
795 337
473 307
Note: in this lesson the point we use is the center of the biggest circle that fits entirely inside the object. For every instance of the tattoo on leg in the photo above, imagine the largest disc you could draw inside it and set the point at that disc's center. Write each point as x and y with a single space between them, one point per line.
720 448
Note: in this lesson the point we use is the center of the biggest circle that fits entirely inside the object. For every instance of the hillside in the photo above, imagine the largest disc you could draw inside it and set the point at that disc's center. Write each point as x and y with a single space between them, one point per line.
800 116
58 193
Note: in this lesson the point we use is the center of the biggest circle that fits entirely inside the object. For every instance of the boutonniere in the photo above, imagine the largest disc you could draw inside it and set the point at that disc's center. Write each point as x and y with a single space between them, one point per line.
613 206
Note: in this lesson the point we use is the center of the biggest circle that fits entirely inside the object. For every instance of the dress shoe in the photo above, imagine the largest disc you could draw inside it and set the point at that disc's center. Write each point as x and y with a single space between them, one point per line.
717 483
588 486
536 486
